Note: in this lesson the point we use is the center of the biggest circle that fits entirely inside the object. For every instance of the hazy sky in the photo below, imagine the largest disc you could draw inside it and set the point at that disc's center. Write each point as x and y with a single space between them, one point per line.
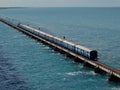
60 3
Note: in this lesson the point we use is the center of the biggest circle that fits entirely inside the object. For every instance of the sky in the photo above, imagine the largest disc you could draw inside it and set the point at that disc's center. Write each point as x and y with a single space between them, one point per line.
59 3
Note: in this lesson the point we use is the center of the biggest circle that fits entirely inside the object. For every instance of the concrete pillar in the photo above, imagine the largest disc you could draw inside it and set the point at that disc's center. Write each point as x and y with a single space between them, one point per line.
113 78
86 64
98 70
78 60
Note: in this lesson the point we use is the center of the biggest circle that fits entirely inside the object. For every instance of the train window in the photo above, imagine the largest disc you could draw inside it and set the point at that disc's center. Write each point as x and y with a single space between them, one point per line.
79 50
86 54
82 52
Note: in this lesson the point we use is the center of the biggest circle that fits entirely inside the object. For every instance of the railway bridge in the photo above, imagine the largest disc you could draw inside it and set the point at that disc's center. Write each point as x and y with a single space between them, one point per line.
98 67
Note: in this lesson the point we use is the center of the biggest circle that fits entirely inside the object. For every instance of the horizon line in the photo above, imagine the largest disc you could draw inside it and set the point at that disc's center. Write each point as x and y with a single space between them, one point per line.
59 6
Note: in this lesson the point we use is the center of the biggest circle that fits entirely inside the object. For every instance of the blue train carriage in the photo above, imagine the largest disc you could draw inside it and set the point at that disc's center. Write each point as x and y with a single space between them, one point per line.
69 45
32 30
27 28
86 52
89 53
81 50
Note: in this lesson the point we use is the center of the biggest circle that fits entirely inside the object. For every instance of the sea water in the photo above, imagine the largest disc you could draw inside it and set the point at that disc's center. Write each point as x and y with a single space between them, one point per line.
26 64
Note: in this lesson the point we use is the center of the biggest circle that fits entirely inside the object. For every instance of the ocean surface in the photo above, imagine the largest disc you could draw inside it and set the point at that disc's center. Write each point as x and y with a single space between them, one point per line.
26 64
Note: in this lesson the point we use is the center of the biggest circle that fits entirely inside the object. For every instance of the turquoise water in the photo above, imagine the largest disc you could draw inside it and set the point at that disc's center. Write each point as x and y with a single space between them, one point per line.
30 65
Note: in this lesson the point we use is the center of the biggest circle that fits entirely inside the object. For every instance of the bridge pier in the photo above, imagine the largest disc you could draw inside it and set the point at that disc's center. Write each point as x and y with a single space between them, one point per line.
98 70
69 55
86 64
113 78
78 60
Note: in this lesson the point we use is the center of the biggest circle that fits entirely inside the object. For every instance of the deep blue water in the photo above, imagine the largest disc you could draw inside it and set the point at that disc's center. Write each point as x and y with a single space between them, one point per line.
26 64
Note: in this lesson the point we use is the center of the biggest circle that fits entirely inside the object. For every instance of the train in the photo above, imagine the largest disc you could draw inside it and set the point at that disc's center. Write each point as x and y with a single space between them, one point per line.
78 49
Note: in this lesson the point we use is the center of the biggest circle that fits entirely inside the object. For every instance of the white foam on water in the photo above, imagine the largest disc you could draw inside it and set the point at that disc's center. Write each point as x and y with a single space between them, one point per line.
81 73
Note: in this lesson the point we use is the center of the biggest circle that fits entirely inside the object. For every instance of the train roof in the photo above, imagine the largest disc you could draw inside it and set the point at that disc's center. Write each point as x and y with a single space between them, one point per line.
78 46
60 39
